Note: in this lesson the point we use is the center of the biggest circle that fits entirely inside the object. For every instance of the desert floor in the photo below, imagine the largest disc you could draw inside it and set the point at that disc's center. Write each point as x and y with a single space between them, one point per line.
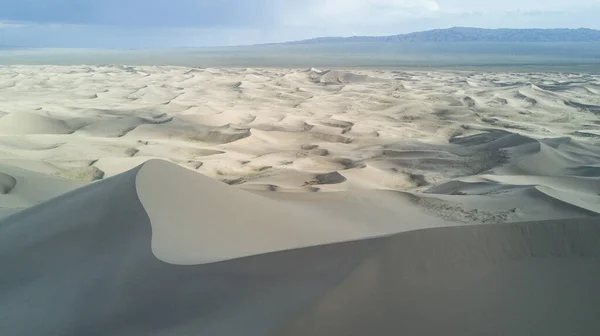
470 147
268 202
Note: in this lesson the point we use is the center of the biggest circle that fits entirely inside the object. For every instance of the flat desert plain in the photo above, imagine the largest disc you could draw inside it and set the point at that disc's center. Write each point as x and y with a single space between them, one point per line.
164 200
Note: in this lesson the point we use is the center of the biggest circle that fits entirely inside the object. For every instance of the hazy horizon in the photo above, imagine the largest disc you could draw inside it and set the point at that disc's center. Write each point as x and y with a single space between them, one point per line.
476 56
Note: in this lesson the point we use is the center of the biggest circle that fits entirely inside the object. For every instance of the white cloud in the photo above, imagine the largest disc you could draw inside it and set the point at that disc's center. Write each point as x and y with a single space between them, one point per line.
357 12
4 24
492 7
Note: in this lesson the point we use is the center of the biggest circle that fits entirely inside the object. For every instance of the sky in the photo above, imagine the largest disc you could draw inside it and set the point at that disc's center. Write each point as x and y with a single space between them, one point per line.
134 24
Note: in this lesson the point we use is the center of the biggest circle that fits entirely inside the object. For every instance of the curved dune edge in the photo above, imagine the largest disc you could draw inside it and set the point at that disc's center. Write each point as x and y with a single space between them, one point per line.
197 220
7 183
580 200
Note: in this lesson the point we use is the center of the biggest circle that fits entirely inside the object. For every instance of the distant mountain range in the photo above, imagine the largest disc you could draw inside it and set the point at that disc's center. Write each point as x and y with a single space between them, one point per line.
465 34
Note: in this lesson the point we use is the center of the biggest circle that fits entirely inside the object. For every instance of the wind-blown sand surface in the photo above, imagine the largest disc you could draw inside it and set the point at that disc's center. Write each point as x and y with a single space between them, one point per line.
353 202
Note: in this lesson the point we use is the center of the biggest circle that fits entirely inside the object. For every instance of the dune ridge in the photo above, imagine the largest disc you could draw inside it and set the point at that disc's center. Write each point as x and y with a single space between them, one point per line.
97 250
237 223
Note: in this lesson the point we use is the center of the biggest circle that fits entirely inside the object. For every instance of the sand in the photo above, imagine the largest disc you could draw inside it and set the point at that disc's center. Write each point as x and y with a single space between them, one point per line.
178 201
121 269
496 136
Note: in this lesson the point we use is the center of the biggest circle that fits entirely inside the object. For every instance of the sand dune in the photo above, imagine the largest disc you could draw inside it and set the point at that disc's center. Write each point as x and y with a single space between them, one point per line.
21 188
127 256
27 123
178 201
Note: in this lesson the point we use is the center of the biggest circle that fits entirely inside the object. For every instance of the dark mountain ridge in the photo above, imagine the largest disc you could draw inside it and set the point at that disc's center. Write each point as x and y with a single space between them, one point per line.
467 34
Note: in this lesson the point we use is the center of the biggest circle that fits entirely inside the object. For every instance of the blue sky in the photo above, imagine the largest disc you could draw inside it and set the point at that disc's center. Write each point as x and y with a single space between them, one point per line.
176 23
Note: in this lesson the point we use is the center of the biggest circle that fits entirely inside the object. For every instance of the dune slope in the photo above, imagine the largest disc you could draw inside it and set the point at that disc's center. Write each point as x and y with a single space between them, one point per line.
508 279
91 262
198 220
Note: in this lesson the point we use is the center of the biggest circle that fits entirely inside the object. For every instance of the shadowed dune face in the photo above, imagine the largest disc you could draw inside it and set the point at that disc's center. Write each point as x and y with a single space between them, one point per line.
7 183
520 279
93 250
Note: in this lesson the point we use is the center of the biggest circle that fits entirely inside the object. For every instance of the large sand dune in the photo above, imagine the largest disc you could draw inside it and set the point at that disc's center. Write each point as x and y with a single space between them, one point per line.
126 256
297 202
107 259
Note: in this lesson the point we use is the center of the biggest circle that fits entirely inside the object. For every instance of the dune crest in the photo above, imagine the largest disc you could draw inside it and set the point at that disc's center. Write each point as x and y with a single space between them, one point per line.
197 220
28 123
